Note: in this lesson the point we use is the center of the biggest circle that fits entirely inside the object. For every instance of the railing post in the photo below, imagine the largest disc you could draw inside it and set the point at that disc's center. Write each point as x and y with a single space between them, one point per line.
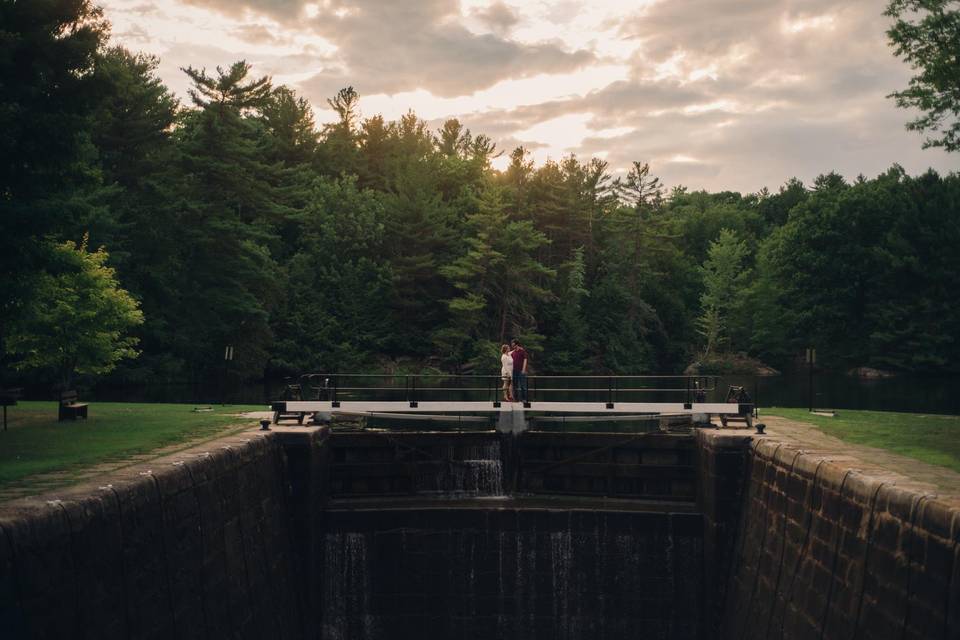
609 392
756 396
336 383
413 393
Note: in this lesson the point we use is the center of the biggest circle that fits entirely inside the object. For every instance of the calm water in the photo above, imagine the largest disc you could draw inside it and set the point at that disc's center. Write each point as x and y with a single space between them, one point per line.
921 394
927 394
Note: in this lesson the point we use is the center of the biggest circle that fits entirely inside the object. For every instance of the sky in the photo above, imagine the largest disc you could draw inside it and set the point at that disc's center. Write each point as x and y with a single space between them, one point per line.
714 94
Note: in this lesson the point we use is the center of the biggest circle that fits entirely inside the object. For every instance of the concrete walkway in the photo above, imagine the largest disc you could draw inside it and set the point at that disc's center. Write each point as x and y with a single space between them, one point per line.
879 463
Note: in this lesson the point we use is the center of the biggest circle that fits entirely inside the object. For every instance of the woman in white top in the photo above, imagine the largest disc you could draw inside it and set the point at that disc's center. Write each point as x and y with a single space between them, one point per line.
506 372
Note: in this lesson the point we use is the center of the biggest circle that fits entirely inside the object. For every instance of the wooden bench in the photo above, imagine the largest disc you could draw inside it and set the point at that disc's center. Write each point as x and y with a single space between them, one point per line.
70 408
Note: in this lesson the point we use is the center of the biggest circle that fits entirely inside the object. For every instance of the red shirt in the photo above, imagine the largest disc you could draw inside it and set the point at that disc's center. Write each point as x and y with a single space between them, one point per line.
519 356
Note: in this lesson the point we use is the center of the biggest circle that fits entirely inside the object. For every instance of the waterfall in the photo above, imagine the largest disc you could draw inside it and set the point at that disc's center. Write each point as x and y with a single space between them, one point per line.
346 592
516 575
472 470
561 562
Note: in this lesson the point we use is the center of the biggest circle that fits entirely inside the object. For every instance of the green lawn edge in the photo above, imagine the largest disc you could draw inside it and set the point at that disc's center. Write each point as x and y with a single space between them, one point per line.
37 444
930 438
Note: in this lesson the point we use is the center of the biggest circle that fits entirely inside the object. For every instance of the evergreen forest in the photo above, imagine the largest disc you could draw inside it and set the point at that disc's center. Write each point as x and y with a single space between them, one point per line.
231 217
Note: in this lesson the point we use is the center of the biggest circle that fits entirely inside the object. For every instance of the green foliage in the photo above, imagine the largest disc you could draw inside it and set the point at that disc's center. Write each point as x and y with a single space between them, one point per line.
133 116
334 315
724 283
498 283
380 245
862 271
230 201
567 347
47 164
78 320
926 34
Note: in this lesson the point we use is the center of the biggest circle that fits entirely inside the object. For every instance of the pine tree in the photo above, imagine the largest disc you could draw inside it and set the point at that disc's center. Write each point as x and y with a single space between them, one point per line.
230 206
724 286
498 283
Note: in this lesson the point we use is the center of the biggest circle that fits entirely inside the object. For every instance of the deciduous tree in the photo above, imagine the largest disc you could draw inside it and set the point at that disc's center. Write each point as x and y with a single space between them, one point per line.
926 34
78 319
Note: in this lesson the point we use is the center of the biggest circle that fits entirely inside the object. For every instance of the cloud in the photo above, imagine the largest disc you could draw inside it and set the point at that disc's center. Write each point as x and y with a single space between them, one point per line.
259 34
718 94
389 47
285 10
143 9
135 33
563 12
498 17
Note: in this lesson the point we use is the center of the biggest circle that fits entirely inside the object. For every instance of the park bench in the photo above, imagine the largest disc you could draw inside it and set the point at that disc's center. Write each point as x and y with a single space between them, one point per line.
8 398
70 408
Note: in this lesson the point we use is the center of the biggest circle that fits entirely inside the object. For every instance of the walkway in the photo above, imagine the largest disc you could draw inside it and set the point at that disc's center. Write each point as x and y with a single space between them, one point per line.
41 483
905 472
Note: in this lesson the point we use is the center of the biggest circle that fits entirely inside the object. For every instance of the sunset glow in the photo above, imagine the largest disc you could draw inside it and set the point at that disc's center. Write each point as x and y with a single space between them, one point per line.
622 81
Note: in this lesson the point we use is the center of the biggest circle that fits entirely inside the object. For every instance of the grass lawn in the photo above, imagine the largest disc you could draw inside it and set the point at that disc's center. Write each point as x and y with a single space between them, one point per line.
36 443
934 439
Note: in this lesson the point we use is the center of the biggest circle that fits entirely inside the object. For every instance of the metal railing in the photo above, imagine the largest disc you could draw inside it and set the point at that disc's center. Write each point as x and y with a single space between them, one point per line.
415 388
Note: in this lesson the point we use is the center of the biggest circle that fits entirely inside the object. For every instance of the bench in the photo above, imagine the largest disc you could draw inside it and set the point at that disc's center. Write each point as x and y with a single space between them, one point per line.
70 408
8 398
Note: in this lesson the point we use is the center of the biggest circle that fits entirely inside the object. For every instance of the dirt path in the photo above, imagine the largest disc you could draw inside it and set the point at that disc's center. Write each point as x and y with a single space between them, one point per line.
43 482
881 463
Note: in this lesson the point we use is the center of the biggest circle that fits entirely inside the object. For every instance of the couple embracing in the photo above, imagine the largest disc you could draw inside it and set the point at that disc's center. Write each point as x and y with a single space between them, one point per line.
513 371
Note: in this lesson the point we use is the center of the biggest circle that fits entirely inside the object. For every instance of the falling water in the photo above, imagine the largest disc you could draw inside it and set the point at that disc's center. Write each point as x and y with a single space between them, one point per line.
515 575
561 561
474 470
346 593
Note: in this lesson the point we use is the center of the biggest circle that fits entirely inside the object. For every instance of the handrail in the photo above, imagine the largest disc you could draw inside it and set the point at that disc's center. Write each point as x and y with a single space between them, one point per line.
617 386
497 377
539 389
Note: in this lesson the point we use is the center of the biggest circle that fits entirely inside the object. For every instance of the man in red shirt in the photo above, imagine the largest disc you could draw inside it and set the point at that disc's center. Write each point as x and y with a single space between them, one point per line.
520 360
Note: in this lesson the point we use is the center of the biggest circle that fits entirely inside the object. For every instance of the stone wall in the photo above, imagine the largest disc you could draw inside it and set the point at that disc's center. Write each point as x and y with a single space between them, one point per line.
640 466
291 535
723 461
196 545
827 552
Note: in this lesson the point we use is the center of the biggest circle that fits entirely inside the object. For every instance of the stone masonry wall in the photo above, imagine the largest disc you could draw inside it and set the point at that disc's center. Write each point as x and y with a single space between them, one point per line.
723 461
826 552
198 545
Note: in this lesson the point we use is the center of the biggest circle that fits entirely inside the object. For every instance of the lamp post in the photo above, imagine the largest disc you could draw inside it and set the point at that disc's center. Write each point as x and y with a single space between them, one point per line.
227 357
811 360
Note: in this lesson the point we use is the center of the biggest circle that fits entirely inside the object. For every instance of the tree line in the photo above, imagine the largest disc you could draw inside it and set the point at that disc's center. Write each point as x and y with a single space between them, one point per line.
233 218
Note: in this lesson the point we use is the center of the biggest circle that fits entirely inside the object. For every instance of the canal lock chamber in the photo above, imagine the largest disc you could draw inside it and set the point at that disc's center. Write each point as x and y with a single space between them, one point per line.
308 532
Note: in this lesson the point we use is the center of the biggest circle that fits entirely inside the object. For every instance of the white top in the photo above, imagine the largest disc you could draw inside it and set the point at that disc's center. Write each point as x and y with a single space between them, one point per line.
506 365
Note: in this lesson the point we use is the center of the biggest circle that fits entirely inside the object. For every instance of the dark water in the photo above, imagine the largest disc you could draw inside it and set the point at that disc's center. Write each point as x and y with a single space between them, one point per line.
909 393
